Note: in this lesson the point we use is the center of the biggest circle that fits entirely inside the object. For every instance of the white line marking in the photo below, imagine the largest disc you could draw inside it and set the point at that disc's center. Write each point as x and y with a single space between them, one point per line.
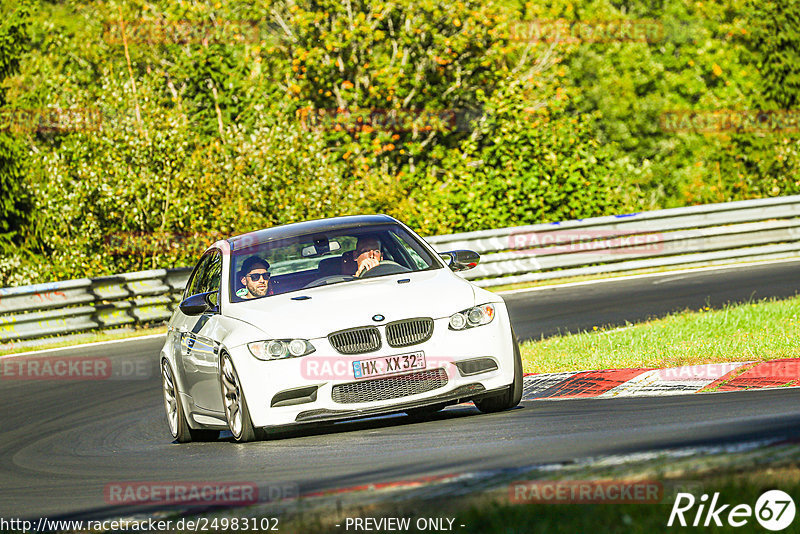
668 280
84 345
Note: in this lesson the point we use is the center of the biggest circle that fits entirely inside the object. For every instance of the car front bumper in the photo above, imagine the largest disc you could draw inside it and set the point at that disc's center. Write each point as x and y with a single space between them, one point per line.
265 381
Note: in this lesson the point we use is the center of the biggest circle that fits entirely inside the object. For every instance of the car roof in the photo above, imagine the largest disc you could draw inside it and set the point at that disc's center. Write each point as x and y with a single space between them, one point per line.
307 227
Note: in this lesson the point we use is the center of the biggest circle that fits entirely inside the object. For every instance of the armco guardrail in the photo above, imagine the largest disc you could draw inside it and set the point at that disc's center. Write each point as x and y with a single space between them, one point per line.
697 235
28 312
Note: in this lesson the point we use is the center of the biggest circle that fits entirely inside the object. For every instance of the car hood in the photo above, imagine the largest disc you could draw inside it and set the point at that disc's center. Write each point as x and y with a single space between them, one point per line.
434 294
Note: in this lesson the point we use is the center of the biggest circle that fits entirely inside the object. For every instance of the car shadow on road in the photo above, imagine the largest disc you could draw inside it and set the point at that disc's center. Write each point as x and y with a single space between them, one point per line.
371 423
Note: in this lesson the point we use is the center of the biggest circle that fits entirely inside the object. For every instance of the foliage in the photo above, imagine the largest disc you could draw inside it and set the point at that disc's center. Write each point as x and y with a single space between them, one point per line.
134 199
774 39
768 163
518 167
14 201
416 60
208 119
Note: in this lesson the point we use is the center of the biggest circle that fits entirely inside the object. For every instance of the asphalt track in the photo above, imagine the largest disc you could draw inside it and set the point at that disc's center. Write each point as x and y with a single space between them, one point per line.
546 312
63 441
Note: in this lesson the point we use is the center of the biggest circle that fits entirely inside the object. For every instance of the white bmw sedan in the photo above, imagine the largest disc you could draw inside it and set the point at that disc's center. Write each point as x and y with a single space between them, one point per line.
329 320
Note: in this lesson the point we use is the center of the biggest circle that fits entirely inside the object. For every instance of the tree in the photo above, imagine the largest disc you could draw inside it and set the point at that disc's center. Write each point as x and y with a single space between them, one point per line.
766 163
775 43
14 203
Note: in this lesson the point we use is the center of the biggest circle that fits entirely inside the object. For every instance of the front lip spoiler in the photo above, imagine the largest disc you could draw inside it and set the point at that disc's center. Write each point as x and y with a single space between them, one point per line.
462 393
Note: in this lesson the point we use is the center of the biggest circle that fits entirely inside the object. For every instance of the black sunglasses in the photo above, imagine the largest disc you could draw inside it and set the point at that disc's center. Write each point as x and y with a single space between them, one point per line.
256 277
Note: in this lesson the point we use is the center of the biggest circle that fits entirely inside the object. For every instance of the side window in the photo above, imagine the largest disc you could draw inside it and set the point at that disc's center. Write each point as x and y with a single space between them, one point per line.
419 257
207 277
386 250
407 257
193 285
416 258
213 277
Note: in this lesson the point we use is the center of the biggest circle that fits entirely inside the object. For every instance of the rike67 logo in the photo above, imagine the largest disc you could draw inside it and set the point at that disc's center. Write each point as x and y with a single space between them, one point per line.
774 510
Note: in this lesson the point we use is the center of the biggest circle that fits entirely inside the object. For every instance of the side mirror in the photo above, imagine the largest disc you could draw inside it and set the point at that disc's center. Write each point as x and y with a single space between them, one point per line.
461 260
197 304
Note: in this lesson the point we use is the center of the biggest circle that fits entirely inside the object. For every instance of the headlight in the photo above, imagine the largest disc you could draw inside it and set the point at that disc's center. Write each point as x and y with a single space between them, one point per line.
298 347
458 321
477 316
275 349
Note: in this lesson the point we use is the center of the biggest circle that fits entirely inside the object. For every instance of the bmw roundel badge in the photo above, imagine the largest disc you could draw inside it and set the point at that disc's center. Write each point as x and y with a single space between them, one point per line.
378 317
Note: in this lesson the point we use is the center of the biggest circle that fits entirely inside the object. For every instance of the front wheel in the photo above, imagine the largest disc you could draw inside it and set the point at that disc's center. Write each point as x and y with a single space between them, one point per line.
512 396
176 418
236 412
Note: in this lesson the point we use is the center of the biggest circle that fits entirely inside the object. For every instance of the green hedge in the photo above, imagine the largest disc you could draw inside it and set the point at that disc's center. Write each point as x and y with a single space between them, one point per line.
222 118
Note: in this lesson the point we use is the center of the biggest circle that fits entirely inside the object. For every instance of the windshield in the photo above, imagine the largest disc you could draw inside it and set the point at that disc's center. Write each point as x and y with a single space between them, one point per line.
324 258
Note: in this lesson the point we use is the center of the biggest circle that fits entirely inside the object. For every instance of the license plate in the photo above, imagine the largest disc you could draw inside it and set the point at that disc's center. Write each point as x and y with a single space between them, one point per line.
387 365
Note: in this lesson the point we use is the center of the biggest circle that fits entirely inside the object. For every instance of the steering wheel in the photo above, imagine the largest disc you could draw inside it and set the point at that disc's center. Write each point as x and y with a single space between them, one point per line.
385 267
333 278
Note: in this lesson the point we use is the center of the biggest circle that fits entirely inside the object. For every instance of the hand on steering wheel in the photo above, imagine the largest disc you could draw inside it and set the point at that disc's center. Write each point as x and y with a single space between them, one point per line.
367 264
385 267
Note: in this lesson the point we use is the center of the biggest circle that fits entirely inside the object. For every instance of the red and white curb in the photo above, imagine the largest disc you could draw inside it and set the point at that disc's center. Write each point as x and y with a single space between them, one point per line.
611 383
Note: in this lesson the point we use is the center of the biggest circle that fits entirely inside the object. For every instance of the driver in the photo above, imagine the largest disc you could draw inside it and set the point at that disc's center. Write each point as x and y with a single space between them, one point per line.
367 254
255 278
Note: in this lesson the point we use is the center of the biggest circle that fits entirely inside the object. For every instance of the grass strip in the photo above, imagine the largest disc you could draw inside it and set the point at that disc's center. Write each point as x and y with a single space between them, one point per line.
71 340
753 331
494 512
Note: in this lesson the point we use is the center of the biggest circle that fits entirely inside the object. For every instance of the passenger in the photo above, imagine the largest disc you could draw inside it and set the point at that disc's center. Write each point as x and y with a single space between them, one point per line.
255 278
367 254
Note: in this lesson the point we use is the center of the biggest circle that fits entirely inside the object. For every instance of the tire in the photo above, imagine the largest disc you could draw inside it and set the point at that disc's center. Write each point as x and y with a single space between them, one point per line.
176 417
513 395
236 412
